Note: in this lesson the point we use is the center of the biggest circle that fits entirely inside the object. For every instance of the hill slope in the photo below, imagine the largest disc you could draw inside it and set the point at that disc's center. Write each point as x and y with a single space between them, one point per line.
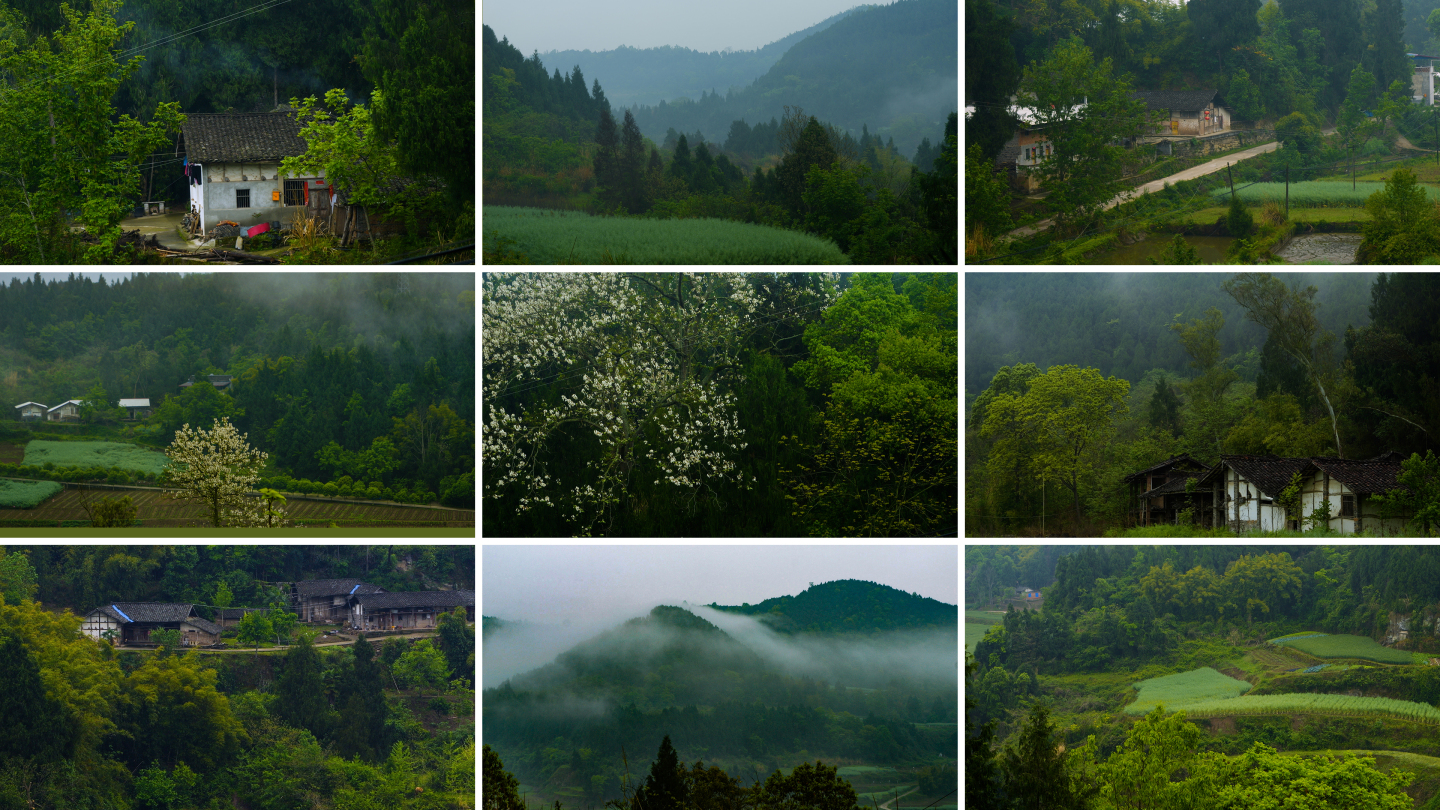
850 606
650 75
894 68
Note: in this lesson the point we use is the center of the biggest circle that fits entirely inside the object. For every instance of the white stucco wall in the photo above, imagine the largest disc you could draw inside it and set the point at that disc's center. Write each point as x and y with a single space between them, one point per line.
216 197
1258 510
1370 522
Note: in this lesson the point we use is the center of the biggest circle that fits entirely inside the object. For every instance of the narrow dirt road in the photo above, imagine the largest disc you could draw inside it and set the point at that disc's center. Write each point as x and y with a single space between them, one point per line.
886 805
1209 167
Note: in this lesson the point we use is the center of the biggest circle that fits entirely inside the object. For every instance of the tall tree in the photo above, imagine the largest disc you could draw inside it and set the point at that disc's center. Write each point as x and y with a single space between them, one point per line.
1084 109
299 690
1289 314
812 148
421 57
1384 54
632 166
1037 774
1217 26
1165 407
664 787
36 728
607 157
992 75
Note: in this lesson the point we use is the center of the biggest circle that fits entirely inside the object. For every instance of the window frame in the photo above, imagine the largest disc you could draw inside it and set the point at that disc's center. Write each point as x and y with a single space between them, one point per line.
246 192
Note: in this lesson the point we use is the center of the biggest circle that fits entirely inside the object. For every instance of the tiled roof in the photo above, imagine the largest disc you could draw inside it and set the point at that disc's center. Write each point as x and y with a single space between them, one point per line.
315 588
1174 486
1271 474
1173 461
446 599
23 404
242 137
147 611
205 625
1364 477
1175 100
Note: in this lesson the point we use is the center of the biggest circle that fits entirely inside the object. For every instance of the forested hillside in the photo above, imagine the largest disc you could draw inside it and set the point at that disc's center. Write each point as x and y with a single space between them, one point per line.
893 69
292 719
848 606
1055 442
366 376
1250 673
564 729
651 75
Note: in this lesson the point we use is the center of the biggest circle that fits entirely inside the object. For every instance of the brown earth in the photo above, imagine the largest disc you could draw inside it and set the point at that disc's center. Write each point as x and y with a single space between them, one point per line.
11 453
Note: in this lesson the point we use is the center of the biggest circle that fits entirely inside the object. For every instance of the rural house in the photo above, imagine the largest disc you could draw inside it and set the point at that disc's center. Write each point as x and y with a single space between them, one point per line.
220 381
1158 493
31 411
133 622
67 411
1244 491
1422 82
234 168
326 600
136 408
416 610
1027 148
1187 112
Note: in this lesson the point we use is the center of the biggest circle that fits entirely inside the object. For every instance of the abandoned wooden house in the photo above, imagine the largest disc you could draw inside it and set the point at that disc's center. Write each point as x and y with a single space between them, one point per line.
67 411
326 601
415 610
1245 491
133 622
135 408
31 411
1159 493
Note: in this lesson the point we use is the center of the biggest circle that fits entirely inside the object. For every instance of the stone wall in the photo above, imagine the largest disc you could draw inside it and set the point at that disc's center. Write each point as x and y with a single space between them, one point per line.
1208 144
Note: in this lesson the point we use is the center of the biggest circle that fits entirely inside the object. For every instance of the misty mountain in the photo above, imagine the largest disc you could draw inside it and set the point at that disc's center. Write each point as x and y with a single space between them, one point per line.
894 68
849 606
651 75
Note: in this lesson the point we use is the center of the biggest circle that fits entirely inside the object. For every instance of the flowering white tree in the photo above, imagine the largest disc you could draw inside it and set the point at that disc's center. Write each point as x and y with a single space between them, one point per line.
215 468
642 364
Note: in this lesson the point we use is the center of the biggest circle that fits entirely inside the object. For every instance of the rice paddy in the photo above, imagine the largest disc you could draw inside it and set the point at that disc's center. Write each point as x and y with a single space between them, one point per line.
1185 688
573 237
26 494
1345 646
87 455
1300 703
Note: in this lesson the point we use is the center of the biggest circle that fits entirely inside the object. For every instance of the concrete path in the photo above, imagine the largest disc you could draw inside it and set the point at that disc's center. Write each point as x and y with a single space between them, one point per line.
162 226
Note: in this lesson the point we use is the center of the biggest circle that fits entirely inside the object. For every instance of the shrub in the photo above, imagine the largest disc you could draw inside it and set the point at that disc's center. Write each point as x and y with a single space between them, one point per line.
330 488
439 705
373 493
1238 220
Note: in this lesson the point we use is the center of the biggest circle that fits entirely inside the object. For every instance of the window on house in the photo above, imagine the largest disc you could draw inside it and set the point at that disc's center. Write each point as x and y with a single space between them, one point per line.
294 192
242 198
1347 506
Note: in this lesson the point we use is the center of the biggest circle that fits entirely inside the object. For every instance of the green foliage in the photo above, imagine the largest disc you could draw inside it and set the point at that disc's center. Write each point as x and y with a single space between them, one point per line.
1244 97
421 666
834 204
1341 645
113 455
1418 492
1038 772
987 196
850 606
1316 193
552 237
254 628
1177 251
1175 691
1403 222
166 641
1238 221
26 494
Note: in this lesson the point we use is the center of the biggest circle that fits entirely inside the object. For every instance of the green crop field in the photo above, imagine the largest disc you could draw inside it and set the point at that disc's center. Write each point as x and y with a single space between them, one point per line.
1203 684
1345 646
1297 703
157 508
573 237
1312 194
95 454
26 494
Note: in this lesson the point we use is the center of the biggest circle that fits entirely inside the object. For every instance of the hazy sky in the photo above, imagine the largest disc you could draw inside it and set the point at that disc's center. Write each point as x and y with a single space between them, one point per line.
551 584
569 594
560 25
110 277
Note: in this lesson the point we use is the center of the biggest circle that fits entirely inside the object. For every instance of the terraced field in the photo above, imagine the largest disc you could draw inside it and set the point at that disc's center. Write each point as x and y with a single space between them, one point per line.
155 508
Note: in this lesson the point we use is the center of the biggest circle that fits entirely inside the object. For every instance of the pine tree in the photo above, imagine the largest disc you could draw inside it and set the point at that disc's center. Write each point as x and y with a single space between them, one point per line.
664 788
682 166
600 102
811 149
607 158
362 698
632 162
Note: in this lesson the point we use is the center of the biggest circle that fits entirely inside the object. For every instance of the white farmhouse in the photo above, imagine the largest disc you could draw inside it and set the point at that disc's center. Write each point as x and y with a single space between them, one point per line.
238 176
1246 489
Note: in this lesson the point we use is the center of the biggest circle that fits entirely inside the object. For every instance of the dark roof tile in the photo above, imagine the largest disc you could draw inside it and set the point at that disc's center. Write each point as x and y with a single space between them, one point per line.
448 599
1173 461
242 137
1175 100
148 611
316 588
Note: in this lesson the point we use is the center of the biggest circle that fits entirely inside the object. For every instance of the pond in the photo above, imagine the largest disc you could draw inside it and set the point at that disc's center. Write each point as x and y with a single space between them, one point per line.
1322 248
1211 249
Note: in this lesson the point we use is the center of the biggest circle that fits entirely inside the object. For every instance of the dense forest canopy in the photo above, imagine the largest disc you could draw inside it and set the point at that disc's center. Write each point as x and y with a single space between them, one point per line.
650 404
374 363
1272 373
313 723
848 606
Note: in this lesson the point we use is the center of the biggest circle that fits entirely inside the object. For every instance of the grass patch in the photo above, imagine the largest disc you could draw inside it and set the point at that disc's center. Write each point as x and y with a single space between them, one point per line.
974 634
1347 646
574 237
1207 216
1203 684
1166 531
1314 193
86 455
26 494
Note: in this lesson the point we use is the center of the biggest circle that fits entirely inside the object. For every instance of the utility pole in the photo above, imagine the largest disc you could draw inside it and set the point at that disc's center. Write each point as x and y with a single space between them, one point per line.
1287 191
1231 175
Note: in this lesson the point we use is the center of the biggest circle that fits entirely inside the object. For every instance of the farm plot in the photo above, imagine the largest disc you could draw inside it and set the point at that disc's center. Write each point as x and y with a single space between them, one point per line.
95 454
158 508
1301 703
25 494
1313 193
1184 689
1346 646
12 453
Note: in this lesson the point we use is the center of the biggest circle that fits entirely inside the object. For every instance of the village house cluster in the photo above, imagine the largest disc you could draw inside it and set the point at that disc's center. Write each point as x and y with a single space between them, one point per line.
1241 492
139 408
356 605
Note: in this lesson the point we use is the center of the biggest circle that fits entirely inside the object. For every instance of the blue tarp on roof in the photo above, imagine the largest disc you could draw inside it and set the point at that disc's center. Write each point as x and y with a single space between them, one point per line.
354 589
122 613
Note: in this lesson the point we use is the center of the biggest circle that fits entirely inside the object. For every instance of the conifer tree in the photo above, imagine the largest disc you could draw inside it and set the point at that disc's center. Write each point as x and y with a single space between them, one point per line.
300 692
632 162
607 157
812 148
682 166
664 788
